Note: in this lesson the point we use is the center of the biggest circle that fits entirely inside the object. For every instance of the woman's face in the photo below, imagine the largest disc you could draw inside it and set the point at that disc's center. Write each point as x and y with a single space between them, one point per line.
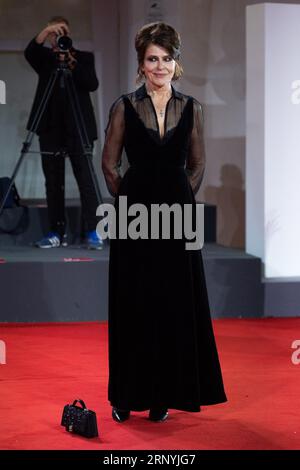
158 66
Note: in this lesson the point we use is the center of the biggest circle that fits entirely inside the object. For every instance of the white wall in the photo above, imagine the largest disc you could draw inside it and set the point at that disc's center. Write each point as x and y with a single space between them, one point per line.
273 123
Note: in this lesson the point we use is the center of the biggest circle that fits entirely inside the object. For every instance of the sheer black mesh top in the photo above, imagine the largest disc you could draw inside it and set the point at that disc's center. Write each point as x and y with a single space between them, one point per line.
143 105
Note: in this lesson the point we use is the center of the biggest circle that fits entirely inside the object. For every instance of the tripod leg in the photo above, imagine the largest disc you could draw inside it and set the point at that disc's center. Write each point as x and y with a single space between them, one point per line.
30 135
82 132
89 157
24 150
44 101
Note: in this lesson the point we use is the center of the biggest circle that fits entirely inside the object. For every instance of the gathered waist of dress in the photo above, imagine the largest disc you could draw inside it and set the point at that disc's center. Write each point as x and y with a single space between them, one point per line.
155 166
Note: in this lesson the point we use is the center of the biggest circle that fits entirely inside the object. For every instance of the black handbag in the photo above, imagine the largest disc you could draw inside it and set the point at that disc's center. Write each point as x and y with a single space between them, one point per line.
15 217
79 420
13 198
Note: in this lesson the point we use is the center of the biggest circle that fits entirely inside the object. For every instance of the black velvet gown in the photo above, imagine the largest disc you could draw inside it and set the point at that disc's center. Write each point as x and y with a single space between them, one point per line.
162 351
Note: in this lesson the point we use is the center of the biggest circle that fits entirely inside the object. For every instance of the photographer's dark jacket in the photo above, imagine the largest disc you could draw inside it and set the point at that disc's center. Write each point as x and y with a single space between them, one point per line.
58 113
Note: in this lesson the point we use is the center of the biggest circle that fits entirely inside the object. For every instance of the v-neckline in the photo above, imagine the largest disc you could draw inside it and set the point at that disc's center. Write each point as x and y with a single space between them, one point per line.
156 118
160 140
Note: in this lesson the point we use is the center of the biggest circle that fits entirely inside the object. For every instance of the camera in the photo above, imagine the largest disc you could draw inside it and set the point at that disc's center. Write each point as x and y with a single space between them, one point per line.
64 43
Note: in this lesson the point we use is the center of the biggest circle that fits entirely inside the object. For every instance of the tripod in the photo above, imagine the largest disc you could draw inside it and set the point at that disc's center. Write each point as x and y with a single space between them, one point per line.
64 74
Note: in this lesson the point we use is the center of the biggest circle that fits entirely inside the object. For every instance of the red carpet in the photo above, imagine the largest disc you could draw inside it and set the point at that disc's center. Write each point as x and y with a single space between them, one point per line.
50 365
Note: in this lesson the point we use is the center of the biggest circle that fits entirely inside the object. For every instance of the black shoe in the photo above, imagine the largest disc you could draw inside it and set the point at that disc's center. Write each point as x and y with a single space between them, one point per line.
120 415
158 414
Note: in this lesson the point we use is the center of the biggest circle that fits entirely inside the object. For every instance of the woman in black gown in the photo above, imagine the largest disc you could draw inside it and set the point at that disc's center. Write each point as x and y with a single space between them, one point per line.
162 351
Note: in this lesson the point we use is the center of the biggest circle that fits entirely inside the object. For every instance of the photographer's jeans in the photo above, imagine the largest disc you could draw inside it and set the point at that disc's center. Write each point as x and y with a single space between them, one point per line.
54 172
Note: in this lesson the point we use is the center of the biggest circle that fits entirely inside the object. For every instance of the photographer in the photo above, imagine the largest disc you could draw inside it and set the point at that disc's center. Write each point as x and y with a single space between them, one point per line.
57 129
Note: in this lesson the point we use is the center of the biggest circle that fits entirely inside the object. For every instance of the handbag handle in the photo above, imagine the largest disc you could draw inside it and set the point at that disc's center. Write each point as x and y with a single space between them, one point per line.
81 402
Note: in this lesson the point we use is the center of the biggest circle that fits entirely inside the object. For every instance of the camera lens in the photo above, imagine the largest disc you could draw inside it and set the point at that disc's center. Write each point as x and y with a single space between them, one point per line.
64 43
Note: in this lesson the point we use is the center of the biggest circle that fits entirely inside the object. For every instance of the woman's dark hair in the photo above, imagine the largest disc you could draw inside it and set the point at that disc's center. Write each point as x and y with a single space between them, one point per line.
160 34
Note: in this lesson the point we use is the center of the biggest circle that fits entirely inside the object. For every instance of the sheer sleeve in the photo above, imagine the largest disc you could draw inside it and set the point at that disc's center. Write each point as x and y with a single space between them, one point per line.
195 164
113 146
